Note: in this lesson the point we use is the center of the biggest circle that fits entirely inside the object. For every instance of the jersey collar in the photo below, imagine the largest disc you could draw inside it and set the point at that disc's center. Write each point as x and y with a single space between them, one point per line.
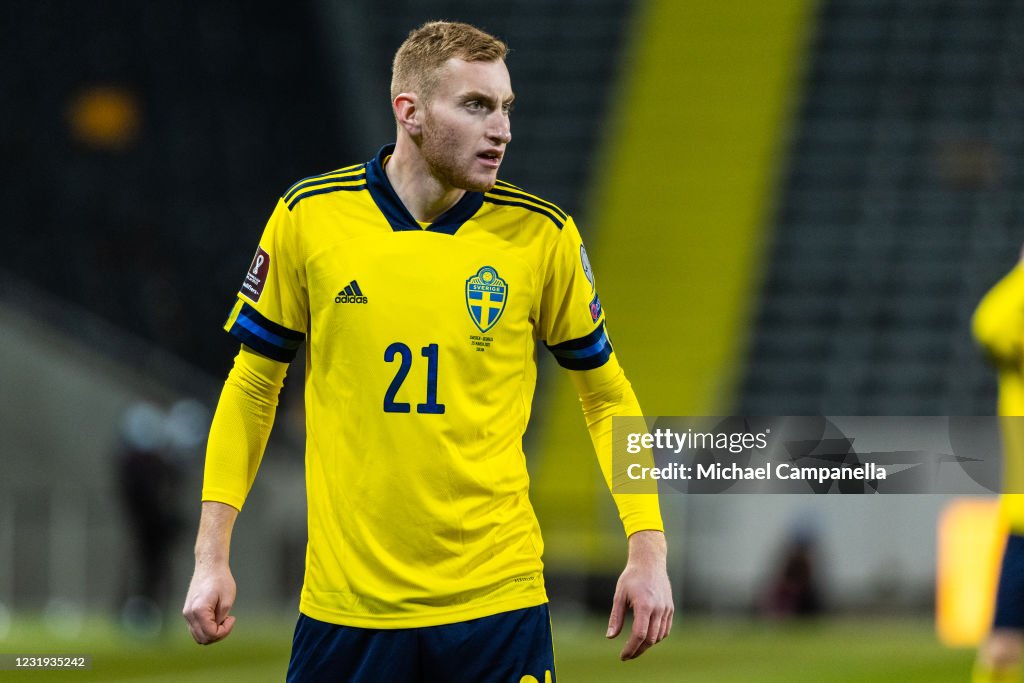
394 210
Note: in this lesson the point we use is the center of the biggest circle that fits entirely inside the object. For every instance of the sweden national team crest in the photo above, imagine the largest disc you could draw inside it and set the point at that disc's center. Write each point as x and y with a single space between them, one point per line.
486 294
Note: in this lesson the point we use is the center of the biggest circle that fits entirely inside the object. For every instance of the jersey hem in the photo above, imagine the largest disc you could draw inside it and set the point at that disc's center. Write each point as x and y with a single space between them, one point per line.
632 525
434 618
212 495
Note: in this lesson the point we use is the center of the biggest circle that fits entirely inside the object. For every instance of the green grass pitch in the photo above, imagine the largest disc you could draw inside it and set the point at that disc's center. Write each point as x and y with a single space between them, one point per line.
718 651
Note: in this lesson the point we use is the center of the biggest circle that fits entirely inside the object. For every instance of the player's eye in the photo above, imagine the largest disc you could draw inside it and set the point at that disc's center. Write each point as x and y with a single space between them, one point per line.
474 105
507 108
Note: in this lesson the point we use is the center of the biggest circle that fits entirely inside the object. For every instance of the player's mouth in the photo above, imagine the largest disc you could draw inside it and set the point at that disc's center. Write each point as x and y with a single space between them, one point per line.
490 158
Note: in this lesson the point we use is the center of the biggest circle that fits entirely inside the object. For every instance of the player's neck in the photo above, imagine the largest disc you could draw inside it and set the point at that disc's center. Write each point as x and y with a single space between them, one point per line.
423 194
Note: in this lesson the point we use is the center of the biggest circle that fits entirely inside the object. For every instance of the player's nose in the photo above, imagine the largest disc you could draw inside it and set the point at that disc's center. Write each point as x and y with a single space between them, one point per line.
500 130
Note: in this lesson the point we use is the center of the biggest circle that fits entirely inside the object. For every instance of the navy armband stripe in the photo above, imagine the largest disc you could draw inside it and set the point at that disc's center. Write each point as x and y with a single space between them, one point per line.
261 346
266 323
585 353
265 336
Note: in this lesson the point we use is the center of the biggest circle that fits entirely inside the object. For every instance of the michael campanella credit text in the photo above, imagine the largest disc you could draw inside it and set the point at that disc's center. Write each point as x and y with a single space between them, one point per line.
732 472
735 442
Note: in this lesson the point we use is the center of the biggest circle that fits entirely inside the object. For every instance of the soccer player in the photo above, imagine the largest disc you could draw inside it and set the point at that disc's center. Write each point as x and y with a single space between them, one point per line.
999 327
421 285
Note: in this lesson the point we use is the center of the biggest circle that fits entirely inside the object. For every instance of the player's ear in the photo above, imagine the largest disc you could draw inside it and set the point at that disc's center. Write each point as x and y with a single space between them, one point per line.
408 113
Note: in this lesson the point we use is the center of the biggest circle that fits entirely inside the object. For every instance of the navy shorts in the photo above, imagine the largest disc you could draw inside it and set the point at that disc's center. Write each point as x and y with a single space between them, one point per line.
502 648
1010 596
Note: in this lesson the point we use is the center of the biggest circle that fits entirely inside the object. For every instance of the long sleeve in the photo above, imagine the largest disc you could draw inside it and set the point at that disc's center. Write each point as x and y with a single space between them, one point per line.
998 322
606 393
241 427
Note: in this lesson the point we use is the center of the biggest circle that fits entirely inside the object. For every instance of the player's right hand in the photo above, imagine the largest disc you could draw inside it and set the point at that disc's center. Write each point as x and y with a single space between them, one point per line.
208 603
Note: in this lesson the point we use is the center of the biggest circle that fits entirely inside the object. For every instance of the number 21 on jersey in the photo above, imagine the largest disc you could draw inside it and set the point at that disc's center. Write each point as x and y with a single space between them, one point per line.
404 354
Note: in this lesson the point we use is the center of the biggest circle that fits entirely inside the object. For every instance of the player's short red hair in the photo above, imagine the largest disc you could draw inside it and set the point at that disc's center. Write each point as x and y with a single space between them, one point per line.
426 49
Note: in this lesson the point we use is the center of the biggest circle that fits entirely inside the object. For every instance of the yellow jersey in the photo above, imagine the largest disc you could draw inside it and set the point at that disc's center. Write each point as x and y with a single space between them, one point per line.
998 326
420 375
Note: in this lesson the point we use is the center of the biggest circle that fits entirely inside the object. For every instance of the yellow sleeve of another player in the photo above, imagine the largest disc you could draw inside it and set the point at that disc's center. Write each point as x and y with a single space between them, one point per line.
241 427
606 393
998 322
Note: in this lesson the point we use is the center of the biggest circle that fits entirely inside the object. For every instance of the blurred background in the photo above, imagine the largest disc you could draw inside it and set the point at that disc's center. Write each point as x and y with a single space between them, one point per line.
792 208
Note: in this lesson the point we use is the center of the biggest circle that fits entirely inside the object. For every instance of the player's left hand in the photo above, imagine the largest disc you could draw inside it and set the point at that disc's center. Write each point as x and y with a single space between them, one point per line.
644 587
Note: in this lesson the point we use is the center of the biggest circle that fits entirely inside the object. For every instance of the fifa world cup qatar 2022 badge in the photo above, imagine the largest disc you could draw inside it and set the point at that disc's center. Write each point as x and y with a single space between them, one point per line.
486 294
256 277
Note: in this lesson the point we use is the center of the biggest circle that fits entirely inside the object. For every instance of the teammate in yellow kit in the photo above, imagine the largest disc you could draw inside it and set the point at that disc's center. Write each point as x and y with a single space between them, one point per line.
999 328
422 286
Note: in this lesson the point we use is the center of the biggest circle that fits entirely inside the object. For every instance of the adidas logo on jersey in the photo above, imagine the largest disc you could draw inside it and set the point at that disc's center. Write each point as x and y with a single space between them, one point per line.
351 295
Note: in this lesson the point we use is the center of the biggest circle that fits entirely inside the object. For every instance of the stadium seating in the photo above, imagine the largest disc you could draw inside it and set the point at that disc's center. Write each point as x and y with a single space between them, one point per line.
898 208
236 103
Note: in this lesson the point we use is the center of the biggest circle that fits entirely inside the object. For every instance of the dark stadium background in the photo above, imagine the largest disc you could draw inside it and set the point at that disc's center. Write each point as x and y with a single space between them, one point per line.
792 210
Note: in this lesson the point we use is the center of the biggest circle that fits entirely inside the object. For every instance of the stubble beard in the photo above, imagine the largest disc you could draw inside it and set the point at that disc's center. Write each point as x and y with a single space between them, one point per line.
440 149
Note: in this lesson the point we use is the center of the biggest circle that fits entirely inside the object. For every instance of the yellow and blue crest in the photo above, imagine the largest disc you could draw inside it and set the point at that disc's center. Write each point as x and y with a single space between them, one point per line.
486 294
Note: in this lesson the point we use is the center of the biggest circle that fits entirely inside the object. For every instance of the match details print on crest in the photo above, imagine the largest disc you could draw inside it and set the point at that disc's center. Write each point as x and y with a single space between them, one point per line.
486 294
256 277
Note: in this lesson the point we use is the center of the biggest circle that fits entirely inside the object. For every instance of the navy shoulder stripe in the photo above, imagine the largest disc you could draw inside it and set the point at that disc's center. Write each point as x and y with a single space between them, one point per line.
508 190
505 183
330 188
523 205
265 336
358 174
585 353
347 169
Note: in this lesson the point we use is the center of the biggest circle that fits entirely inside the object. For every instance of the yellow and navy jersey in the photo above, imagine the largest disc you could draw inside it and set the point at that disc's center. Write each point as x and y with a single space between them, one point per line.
420 374
998 326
